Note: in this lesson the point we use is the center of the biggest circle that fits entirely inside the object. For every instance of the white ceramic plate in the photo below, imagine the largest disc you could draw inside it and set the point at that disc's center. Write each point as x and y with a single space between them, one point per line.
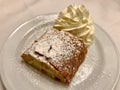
99 71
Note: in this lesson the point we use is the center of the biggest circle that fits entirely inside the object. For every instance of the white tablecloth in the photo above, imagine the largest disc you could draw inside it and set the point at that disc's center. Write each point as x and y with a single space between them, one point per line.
106 13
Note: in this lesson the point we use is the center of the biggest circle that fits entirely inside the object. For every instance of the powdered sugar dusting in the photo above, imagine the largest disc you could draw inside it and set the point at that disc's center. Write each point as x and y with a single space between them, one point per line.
57 48
56 45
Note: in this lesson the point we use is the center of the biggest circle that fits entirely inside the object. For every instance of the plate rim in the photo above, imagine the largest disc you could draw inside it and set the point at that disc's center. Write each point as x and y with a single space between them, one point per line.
2 76
118 56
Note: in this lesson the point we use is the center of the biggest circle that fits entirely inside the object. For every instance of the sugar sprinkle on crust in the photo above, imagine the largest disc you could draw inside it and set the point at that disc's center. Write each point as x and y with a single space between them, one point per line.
60 49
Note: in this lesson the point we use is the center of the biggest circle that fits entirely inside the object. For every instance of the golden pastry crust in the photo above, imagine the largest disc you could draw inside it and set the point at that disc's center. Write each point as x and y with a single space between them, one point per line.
57 53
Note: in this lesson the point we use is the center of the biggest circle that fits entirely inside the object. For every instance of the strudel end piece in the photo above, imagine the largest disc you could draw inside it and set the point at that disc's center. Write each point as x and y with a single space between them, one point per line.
57 53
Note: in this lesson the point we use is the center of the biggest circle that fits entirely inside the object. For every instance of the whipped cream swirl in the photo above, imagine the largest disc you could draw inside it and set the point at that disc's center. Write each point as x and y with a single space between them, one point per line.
76 20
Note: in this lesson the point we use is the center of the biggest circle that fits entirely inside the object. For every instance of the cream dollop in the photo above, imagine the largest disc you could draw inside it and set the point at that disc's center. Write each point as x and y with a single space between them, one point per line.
76 20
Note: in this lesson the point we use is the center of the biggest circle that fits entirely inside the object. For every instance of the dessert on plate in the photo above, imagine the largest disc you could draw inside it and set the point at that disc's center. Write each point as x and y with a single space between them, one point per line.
62 49
57 53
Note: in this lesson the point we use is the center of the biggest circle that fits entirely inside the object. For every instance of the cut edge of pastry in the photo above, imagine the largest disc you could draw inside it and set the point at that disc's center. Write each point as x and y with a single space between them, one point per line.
47 69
